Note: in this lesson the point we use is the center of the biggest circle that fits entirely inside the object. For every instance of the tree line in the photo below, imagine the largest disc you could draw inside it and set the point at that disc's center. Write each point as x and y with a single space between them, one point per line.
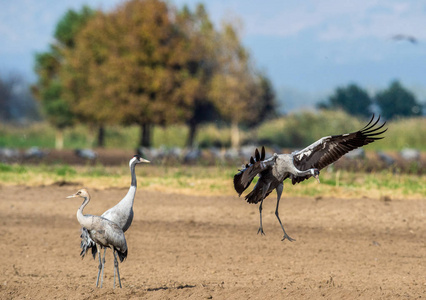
151 64
393 102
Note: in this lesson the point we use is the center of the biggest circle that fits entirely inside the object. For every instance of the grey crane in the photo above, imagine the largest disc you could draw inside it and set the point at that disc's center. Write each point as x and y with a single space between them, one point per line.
299 165
121 214
103 232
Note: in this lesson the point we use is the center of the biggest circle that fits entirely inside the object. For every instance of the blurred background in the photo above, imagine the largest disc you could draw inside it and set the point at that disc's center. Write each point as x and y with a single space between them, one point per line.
207 81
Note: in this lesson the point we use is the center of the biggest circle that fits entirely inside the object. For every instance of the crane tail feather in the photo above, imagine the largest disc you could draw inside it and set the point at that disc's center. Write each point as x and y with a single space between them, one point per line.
121 255
87 243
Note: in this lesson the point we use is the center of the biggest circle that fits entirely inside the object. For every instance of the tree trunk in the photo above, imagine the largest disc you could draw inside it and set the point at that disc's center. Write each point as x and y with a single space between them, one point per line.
235 135
145 140
59 139
101 136
191 134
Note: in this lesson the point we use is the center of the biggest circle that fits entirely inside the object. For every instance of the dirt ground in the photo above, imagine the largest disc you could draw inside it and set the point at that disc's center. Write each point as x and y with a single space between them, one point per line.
189 247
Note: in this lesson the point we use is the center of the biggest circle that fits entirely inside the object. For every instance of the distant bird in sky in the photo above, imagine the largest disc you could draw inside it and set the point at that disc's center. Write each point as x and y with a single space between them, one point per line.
299 165
121 213
105 233
405 37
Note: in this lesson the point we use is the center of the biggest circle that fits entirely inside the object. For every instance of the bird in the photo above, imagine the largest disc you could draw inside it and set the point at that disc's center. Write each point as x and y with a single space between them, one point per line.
299 165
405 37
121 213
86 153
105 233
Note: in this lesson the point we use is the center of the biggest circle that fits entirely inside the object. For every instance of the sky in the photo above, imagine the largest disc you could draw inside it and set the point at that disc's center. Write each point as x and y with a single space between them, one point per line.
307 48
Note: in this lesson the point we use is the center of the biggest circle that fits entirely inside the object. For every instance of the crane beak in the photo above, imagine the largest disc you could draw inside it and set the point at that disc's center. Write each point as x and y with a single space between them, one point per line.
143 160
317 178
72 196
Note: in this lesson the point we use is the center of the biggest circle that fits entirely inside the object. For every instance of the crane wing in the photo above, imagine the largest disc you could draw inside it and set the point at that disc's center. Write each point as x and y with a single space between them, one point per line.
329 149
257 165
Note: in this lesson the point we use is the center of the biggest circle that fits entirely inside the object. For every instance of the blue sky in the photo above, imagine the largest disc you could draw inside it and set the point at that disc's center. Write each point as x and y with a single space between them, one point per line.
307 48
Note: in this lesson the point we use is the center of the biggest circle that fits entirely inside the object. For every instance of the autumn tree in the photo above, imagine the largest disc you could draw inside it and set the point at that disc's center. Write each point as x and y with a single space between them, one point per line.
48 66
129 66
397 101
236 90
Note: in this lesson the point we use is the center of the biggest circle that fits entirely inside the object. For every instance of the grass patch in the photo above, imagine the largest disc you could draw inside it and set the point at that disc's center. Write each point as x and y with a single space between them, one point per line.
197 180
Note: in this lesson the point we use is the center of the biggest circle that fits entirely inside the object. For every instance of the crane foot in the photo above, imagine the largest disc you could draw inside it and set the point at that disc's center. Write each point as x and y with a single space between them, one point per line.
286 236
260 230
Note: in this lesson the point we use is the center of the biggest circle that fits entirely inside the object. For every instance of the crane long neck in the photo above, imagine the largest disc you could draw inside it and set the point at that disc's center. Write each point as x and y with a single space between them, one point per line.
82 219
300 173
133 174
130 196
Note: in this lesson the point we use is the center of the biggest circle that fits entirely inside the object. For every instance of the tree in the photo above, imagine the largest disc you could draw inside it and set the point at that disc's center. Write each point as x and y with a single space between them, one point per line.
6 95
396 101
351 99
266 105
201 64
48 66
129 66
16 103
236 90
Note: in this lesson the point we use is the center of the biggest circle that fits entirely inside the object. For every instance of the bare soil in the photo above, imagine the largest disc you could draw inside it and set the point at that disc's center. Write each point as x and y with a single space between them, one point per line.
192 247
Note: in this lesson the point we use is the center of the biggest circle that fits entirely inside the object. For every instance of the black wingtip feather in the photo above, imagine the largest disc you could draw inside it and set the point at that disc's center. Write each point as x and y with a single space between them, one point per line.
239 187
262 155
122 255
368 128
371 120
94 251
257 155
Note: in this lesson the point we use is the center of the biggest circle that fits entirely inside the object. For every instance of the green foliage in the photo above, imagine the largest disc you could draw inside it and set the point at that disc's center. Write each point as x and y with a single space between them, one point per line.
70 24
57 110
404 133
64 170
40 135
5 168
212 136
396 101
351 99
292 131
302 129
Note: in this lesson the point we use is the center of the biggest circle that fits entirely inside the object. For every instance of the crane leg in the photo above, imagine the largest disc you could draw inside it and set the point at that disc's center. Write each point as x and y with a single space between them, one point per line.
116 268
103 267
100 265
279 192
260 230
264 190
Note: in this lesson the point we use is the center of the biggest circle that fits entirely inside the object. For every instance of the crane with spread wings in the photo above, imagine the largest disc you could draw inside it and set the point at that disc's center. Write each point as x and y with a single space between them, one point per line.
299 165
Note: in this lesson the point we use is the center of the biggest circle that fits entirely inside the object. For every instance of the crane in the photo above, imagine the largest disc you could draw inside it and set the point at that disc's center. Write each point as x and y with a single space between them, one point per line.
103 232
121 214
298 165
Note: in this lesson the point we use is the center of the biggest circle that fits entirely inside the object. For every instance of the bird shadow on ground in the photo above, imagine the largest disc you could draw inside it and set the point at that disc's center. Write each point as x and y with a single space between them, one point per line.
179 287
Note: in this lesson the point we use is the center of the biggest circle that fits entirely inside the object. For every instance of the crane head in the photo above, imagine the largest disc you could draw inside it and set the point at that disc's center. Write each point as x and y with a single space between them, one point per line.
315 173
138 159
83 193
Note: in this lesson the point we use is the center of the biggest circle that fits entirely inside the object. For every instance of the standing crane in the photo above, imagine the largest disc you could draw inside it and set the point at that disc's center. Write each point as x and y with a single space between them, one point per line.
103 232
299 165
121 214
